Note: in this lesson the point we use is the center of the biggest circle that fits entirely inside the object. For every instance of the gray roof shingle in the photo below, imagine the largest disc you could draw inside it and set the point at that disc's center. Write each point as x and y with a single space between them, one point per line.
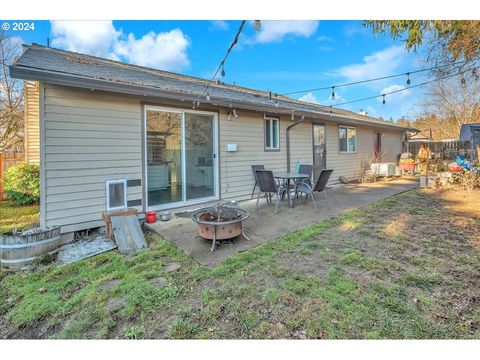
38 59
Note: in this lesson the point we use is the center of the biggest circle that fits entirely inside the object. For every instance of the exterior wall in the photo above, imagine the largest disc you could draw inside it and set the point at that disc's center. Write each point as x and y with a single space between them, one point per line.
247 131
95 136
90 137
32 122
347 164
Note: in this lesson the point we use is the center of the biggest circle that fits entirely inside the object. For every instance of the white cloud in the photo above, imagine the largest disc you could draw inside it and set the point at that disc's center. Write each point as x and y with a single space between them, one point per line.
397 96
309 97
219 25
165 50
324 38
376 65
90 37
276 30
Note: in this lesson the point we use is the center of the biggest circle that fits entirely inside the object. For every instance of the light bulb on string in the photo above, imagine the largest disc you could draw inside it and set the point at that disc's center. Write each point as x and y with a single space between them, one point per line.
408 79
333 93
383 101
257 24
223 71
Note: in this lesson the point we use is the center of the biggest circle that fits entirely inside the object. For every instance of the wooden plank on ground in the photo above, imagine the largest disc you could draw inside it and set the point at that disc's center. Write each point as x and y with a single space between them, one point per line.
128 234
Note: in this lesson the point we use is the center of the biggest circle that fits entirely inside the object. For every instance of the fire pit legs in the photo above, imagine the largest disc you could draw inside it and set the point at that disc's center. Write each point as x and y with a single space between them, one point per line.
226 216
214 240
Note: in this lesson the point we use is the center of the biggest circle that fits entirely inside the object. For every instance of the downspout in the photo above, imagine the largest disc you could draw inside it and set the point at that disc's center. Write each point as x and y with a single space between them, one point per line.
302 119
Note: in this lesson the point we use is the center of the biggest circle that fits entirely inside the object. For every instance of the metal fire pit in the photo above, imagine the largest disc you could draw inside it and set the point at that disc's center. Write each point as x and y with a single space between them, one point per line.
220 222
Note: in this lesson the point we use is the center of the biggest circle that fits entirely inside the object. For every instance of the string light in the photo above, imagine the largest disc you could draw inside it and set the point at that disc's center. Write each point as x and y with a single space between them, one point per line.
257 24
208 96
333 93
221 65
408 79
376 79
383 101
411 87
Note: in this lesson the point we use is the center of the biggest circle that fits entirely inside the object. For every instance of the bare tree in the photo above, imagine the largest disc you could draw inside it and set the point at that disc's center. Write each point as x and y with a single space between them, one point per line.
447 105
11 96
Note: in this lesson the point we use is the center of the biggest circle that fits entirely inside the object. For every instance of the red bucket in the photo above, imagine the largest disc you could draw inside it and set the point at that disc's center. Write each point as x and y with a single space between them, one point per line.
151 217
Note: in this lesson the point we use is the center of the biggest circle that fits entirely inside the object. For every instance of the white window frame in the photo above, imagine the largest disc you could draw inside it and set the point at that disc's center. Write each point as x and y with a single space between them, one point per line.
271 119
348 151
112 182
216 162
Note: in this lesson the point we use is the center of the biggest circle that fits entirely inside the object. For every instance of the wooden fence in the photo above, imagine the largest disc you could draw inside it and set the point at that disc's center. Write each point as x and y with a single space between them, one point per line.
8 160
443 149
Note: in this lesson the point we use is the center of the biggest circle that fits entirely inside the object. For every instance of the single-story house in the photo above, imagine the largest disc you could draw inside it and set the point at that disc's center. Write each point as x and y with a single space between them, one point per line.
110 135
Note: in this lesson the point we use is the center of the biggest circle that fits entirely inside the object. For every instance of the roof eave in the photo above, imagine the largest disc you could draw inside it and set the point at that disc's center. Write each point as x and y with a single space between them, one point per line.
27 73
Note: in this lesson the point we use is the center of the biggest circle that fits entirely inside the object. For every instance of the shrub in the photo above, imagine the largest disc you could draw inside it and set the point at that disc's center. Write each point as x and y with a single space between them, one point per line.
21 183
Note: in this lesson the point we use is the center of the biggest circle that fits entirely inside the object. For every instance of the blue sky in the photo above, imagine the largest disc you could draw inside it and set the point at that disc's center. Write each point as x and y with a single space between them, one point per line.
283 56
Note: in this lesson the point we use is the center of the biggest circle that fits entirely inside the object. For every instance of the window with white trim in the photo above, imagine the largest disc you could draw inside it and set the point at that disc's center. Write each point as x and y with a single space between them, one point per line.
347 139
116 194
272 133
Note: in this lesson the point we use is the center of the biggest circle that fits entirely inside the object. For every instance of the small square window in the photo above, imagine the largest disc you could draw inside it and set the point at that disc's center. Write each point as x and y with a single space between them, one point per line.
116 194
272 134
347 139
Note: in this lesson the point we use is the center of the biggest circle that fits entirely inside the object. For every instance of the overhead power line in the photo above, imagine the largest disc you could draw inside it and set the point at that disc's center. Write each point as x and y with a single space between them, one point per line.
196 102
408 73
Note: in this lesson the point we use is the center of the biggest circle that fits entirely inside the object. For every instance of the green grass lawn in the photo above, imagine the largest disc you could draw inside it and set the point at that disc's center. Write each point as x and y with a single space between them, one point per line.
405 267
13 216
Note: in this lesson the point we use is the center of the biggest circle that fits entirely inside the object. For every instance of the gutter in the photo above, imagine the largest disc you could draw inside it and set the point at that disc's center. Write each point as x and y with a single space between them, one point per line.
302 119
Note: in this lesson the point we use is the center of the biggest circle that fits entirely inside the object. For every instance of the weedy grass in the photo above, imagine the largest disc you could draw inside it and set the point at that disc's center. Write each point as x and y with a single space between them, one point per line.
390 270
21 217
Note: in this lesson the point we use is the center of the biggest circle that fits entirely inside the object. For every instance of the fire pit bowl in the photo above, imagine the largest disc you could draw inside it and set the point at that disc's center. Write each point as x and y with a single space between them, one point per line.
220 222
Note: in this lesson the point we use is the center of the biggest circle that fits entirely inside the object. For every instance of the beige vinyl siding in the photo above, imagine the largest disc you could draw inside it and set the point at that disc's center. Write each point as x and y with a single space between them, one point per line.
247 131
348 164
95 136
32 122
90 137
236 179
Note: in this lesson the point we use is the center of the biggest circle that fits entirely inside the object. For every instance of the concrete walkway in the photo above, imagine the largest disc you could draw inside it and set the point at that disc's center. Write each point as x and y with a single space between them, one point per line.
263 225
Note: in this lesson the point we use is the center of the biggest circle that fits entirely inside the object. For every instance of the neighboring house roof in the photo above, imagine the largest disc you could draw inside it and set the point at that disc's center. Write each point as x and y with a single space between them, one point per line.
467 131
419 138
73 69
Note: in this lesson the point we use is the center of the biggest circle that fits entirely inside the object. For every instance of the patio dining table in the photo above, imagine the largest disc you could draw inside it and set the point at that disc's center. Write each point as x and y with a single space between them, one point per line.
286 178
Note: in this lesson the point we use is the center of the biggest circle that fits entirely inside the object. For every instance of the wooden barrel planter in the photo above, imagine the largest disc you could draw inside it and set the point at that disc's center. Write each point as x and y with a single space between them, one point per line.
19 250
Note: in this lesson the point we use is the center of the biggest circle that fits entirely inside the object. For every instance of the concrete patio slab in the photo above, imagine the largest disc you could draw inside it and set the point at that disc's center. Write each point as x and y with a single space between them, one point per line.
263 225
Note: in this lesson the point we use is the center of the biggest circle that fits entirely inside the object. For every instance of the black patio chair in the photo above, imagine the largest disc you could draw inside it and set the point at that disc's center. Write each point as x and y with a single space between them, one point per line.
254 169
268 185
320 186
308 170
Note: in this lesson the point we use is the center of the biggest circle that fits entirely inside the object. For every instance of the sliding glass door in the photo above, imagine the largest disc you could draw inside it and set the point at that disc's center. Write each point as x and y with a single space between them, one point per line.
181 164
199 156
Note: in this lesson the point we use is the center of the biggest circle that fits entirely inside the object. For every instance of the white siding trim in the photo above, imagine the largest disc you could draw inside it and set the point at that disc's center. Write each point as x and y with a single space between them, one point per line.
43 185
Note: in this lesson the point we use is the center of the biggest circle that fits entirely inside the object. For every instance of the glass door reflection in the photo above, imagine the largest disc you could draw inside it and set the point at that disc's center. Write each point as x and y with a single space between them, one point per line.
164 157
199 156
